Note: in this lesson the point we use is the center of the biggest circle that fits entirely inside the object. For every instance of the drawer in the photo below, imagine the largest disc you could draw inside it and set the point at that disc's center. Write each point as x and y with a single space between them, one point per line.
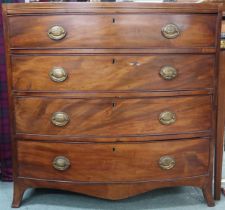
113 117
113 72
112 31
113 162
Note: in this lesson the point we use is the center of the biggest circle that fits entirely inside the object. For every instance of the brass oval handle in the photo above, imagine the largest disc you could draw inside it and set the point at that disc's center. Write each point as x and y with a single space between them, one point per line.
168 72
60 119
58 74
167 118
167 162
222 44
61 163
170 31
56 32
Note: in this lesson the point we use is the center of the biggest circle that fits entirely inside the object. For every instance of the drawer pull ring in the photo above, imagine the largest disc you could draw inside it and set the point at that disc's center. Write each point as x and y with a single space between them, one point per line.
170 31
56 33
61 163
168 72
167 162
167 118
60 119
58 74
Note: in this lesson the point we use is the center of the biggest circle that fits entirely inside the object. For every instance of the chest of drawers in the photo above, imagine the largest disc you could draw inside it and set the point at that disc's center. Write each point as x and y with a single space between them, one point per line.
113 99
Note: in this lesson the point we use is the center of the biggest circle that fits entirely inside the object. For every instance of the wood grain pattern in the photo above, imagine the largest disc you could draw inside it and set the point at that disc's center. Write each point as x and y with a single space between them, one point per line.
113 117
121 112
113 162
99 31
113 72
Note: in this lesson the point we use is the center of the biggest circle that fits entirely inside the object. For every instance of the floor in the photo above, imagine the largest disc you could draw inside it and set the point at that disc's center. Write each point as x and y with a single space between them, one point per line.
179 198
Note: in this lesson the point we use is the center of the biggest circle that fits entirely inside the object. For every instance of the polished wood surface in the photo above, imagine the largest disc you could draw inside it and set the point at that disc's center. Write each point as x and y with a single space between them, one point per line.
113 72
113 117
136 31
219 147
105 163
118 7
220 139
113 96
112 191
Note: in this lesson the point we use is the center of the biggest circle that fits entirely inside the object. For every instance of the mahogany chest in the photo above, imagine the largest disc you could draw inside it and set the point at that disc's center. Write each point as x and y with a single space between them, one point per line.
113 99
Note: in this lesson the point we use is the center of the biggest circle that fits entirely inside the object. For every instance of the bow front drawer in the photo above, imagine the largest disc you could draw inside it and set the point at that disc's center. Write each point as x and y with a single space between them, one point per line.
112 73
113 117
113 162
113 31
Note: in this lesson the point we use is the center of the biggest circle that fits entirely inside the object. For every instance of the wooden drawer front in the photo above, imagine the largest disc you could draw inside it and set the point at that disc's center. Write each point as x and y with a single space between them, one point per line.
112 31
113 162
113 117
112 72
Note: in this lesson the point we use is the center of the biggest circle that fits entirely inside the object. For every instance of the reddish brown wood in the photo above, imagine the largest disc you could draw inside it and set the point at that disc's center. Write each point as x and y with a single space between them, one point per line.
108 163
113 117
135 73
220 128
114 191
207 193
220 102
136 31
113 94
130 138
84 8
138 99
142 51
18 191
222 65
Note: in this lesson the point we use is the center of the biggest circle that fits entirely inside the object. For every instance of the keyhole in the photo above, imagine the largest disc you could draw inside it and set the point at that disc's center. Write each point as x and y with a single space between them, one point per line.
113 61
113 104
114 149
113 20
